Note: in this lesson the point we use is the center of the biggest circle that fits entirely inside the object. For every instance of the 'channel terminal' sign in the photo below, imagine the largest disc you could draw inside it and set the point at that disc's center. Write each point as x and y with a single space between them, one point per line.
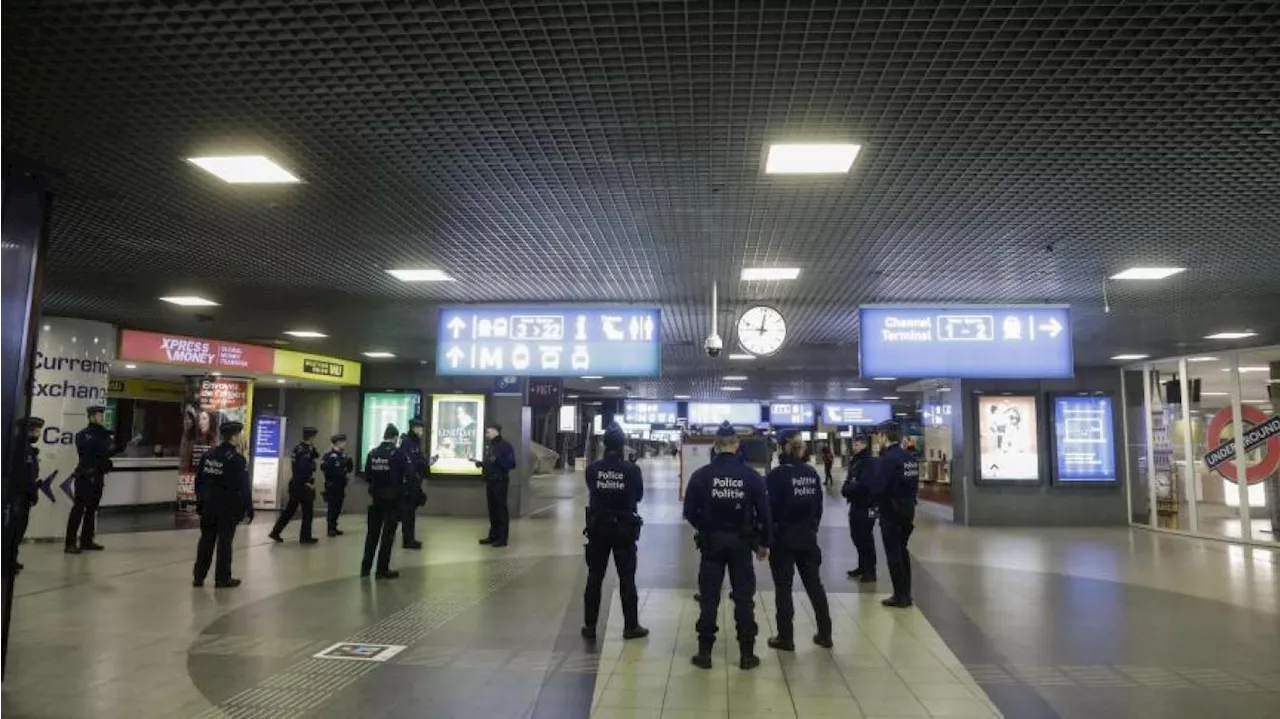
791 414
549 341
966 341
842 413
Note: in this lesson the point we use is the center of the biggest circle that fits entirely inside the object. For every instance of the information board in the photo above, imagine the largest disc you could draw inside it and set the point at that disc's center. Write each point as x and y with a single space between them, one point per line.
966 341
791 414
842 413
1084 442
383 408
647 413
716 413
549 341
268 443
1008 438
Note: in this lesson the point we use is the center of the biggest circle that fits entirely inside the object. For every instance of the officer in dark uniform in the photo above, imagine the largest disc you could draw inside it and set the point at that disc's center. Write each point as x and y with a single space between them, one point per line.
499 460
613 527
301 488
895 494
857 490
335 465
27 489
94 447
795 503
385 472
728 505
415 496
224 496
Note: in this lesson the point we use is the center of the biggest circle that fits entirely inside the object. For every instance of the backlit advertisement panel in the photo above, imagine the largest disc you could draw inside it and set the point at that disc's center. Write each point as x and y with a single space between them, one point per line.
1008 438
1083 439
381 409
457 432
715 413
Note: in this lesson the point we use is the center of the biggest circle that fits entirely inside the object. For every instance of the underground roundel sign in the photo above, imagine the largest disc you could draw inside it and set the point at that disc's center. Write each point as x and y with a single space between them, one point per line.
1260 432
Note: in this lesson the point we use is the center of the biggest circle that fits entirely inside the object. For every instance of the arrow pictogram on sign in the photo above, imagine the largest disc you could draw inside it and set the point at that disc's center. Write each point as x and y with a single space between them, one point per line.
1053 327
66 487
46 485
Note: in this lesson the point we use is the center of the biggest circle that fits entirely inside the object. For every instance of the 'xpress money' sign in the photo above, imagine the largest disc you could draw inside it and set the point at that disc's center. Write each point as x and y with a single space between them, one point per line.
966 341
549 341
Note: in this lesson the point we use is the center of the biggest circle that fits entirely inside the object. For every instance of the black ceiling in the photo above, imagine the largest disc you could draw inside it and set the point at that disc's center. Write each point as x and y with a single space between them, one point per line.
600 151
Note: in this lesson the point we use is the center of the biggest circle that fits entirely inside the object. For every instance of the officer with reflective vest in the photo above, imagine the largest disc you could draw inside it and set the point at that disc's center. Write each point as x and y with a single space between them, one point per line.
301 488
27 488
224 496
857 490
419 467
728 506
335 465
385 472
898 473
94 449
615 487
795 503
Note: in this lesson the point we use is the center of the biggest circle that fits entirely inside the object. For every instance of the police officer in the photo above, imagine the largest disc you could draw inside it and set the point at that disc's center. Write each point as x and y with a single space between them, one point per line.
335 465
899 482
727 504
223 498
613 527
499 460
94 448
795 503
418 467
301 489
857 490
385 473
27 489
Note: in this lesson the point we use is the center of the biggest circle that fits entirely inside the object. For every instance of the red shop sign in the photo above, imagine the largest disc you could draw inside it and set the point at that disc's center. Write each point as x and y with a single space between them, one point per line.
1260 432
195 352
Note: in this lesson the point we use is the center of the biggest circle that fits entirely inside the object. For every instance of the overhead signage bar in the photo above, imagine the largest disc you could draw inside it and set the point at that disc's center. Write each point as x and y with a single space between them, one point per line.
316 367
649 413
207 354
842 413
549 341
966 341
791 414
714 413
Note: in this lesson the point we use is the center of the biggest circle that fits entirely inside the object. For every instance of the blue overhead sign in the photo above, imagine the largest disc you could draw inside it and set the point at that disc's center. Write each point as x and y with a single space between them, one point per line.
842 413
791 414
646 412
966 341
549 341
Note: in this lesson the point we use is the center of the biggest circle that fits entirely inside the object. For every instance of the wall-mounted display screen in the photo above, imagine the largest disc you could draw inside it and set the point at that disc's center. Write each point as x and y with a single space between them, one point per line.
383 408
1083 441
791 414
842 413
714 413
1008 438
645 412
569 418
457 432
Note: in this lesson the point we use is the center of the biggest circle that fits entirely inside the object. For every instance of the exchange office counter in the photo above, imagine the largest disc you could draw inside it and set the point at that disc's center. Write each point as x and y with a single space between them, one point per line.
141 481
448 496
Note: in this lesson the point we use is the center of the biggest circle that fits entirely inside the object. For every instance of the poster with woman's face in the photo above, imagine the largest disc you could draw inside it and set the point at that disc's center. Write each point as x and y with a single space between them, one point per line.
1008 438
457 432
210 402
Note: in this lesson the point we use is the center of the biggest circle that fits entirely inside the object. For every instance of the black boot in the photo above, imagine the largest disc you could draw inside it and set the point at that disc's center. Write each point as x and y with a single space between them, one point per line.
749 658
635 632
589 632
702 659
782 644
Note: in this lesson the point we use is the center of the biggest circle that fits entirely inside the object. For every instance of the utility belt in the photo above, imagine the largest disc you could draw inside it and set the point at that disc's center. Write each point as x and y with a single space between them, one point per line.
749 534
613 525
898 508
796 536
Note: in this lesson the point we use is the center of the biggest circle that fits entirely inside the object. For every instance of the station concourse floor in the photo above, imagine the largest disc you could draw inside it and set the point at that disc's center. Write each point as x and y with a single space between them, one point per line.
1019 623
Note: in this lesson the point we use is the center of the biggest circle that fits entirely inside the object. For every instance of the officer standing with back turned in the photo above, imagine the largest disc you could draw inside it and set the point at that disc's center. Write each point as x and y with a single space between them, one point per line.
27 487
224 496
301 491
728 506
385 473
856 489
795 502
899 482
94 448
336 465
613 527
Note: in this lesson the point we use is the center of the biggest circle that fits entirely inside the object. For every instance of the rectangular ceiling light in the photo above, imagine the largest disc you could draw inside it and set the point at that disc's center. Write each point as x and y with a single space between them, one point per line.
378 355
883 379
735 378
810 159
731 389
890 397
245 170
1148 273
741 356
189 301
592 376
1231 335
609 387
857 389
680 396
1202 359
786 396
750 274
1130 357
1214 394
306 334
420 275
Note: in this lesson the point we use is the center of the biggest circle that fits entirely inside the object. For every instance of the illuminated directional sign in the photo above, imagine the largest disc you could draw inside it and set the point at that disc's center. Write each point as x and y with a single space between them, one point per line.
966 341
842 413
549 341
714 413
790 414
643 412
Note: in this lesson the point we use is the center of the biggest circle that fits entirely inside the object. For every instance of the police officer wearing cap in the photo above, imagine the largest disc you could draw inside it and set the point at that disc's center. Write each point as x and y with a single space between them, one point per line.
615 487
27 489
335 465
795 503
898 474
728 505
857 490
224 496
301 489
417 468
94 449
499 460
385 473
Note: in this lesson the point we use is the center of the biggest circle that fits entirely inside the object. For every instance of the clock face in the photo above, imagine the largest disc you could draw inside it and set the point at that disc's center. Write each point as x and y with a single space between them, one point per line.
761 330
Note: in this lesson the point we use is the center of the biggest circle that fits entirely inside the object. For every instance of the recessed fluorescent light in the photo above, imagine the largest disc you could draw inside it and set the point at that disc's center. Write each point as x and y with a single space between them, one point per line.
1148 273
680 396
1231 335
592 376
883 379
900 414
731 389
857 389
750 274
1129 357
306 334
944 389
216 374
1202 359
280 381
1258 368
609 387
810 158
571 396
786 396
378 355
420 275
189 301
890 397
1214 394
741 356
734 378
244 169
131 366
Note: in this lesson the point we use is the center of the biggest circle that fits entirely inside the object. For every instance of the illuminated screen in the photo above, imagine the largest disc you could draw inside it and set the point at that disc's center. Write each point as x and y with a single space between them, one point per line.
1084 444
715 413
381 409
457 432
1008 438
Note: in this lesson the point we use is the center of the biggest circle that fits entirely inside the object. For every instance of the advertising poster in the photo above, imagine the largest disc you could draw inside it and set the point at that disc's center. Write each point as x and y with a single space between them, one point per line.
268 443
1084 443
457 432
1008 439
210 402
381 409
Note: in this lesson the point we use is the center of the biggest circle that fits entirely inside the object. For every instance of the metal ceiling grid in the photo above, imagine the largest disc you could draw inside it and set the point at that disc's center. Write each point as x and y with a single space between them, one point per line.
612 151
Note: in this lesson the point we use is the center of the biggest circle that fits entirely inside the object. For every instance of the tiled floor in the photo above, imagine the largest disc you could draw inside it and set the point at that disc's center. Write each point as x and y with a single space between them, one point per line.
1020 623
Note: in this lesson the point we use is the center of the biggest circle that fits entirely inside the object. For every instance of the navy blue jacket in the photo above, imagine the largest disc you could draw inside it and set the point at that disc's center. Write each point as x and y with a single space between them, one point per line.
614 484
795 494
414 465
384 472
898 475
222 482
94 447
28 485
304 462
499 460
335 466
728 496
860 478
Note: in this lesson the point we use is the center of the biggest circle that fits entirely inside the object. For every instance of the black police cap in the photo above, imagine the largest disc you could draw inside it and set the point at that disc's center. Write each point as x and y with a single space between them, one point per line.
415 422
787 435
495 427
309 432
229 428
861 438
726 430
339 437
390 432
30 423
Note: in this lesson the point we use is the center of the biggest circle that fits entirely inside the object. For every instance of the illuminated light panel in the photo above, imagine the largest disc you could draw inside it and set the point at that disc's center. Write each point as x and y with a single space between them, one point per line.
810 158
378 355
245 170
189 301
420 275
306 334
1130 357
1148 273
750 274
1231 335
741 356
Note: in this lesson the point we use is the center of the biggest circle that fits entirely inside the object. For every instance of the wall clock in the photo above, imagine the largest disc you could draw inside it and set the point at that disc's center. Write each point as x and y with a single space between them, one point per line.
761 330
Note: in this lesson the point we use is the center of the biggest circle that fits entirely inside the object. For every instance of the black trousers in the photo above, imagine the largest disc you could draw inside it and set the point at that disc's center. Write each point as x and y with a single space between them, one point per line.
495 492
84 510
21 517
216 531
861 525
334 496
384 515
797 550
409 521
300 494
623 550
826 472
895 529
723 551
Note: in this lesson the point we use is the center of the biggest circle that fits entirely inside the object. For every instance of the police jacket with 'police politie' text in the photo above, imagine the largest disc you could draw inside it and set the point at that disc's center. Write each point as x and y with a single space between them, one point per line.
304 462
385 472
795 494
898 477
614 484
728 496
222 482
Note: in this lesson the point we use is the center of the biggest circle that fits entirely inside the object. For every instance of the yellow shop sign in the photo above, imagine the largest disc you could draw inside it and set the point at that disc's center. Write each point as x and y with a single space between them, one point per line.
146 389
317 367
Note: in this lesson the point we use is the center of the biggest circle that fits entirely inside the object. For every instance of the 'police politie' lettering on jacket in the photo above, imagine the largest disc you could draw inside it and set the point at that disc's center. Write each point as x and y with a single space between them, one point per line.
615 485
385 471
222 482
898 475
728 496
795 493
